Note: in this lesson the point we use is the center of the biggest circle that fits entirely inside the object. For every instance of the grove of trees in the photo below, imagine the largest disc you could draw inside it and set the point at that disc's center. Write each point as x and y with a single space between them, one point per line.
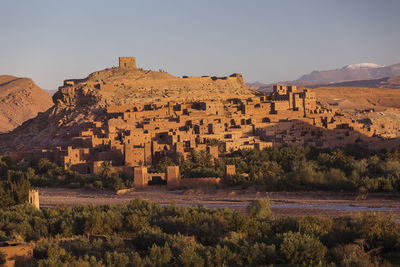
147 234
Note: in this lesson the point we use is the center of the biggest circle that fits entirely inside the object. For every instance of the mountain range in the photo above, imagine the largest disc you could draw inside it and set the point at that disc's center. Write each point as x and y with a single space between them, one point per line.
362 74
362 71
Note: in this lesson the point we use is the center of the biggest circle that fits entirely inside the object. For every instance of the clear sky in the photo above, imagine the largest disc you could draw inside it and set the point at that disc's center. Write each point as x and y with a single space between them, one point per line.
267 41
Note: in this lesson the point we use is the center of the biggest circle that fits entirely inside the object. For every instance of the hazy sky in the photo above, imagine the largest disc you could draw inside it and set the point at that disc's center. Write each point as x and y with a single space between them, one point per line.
267 41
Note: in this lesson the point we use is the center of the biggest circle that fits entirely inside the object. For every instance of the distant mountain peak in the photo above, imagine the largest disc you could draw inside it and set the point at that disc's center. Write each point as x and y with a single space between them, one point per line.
352 72
362 66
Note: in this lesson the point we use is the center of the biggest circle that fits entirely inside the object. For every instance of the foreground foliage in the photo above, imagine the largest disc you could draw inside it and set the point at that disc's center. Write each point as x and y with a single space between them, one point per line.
146 234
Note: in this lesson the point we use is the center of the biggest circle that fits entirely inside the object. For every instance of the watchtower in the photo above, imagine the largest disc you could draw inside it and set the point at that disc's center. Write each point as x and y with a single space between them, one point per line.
34 198
127 62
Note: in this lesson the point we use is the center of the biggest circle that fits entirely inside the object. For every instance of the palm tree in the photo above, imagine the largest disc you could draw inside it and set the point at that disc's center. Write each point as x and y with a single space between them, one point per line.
105 169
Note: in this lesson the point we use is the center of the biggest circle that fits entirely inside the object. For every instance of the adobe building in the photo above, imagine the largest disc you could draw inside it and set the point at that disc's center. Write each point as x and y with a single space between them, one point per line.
134 135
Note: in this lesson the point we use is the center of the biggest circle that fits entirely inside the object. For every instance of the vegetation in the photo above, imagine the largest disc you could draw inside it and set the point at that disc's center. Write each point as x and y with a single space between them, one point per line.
350 169
146 234
14 183
260 208
17 177
3 258
306 168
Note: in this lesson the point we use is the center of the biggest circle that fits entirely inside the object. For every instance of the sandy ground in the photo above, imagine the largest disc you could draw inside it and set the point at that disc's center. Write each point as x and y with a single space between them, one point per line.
283 203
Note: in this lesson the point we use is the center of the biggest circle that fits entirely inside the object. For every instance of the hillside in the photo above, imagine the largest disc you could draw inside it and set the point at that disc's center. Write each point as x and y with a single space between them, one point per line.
377 108
124 86
358 97
80 102
20 100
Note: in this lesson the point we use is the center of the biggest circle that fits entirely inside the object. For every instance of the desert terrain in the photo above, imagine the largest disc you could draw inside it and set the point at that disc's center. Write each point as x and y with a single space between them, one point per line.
20 100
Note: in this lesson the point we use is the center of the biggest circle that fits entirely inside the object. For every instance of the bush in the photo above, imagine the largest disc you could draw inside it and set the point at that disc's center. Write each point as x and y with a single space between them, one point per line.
298 248
379 231
315 226
353 255
3 258
260 209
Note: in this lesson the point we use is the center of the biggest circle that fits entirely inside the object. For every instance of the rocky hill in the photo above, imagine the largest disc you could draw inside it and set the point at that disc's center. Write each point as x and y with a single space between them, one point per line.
124 86
82 101
20 100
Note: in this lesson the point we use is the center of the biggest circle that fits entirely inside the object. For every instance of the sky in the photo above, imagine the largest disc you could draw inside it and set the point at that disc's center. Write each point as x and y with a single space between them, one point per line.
267 41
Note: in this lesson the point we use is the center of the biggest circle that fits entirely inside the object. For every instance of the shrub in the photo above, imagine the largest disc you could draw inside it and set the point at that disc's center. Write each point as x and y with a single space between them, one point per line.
3 258
298 248
379 230
189 257
353 255
260 209
315 226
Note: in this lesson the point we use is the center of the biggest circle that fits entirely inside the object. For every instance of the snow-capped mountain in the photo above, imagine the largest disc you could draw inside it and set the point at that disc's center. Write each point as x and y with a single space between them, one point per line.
362 66
361 71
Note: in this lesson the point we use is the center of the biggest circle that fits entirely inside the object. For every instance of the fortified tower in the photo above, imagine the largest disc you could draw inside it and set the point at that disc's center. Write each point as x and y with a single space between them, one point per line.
127 62
34 198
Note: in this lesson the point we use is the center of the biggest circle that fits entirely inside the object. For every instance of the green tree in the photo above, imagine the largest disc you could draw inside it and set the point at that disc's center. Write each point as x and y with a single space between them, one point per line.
163 164
105 169
189 258
298 248
3 258
160 256
260 209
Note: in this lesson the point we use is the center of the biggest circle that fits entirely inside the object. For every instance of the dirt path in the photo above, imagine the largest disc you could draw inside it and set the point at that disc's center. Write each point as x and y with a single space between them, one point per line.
283 203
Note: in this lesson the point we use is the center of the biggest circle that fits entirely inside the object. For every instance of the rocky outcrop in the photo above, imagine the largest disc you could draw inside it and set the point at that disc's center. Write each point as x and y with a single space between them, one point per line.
20 100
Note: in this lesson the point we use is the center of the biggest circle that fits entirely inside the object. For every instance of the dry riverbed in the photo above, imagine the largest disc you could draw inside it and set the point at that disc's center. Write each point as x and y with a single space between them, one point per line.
283 203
